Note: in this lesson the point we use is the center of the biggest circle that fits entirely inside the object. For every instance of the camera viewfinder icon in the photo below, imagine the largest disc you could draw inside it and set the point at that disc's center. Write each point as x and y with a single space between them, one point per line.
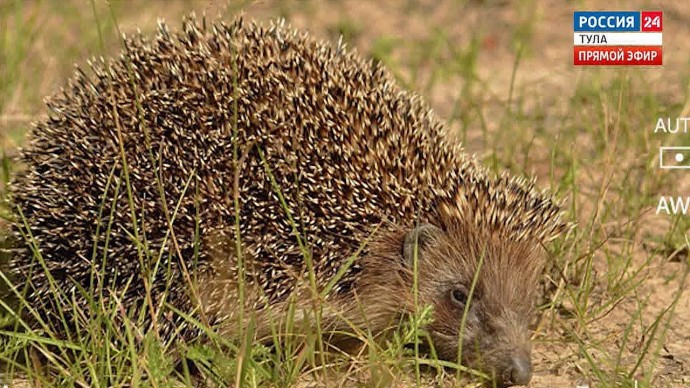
674 158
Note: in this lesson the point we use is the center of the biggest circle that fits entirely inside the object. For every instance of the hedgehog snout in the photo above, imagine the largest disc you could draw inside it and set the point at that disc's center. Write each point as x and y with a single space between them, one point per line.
518 370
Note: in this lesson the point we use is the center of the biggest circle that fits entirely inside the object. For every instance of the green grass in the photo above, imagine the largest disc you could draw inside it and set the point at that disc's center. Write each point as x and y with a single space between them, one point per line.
589 139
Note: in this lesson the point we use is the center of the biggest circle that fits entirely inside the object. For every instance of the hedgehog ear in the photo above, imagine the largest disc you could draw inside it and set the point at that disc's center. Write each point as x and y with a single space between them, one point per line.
421 236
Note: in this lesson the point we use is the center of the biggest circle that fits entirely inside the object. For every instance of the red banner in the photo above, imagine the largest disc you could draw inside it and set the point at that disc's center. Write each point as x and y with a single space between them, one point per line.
618 55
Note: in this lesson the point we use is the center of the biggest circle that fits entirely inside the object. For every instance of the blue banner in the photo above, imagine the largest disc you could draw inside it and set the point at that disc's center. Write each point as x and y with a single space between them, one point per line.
604 21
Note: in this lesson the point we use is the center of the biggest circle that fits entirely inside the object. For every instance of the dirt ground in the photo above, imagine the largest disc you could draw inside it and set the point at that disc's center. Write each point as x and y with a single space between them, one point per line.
545 78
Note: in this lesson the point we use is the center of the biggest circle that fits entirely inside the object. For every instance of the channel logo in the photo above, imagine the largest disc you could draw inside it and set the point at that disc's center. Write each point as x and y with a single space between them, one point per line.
623 38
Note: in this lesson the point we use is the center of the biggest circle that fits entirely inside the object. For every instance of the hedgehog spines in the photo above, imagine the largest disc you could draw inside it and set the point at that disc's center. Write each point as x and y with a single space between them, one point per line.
350 150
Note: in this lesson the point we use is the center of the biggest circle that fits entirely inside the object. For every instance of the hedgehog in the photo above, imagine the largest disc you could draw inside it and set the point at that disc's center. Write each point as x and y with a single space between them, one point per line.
232 170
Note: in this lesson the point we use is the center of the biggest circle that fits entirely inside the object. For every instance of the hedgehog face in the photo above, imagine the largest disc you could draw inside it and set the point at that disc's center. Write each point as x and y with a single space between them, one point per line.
495 332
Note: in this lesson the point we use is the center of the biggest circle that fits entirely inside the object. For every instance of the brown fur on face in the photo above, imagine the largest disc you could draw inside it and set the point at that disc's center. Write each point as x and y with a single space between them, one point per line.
495 336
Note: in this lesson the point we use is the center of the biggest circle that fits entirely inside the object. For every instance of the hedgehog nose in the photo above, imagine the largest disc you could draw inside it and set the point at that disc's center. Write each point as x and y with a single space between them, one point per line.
520 371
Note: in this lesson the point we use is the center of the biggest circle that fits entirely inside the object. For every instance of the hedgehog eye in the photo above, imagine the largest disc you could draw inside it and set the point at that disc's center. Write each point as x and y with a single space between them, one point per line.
458 296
